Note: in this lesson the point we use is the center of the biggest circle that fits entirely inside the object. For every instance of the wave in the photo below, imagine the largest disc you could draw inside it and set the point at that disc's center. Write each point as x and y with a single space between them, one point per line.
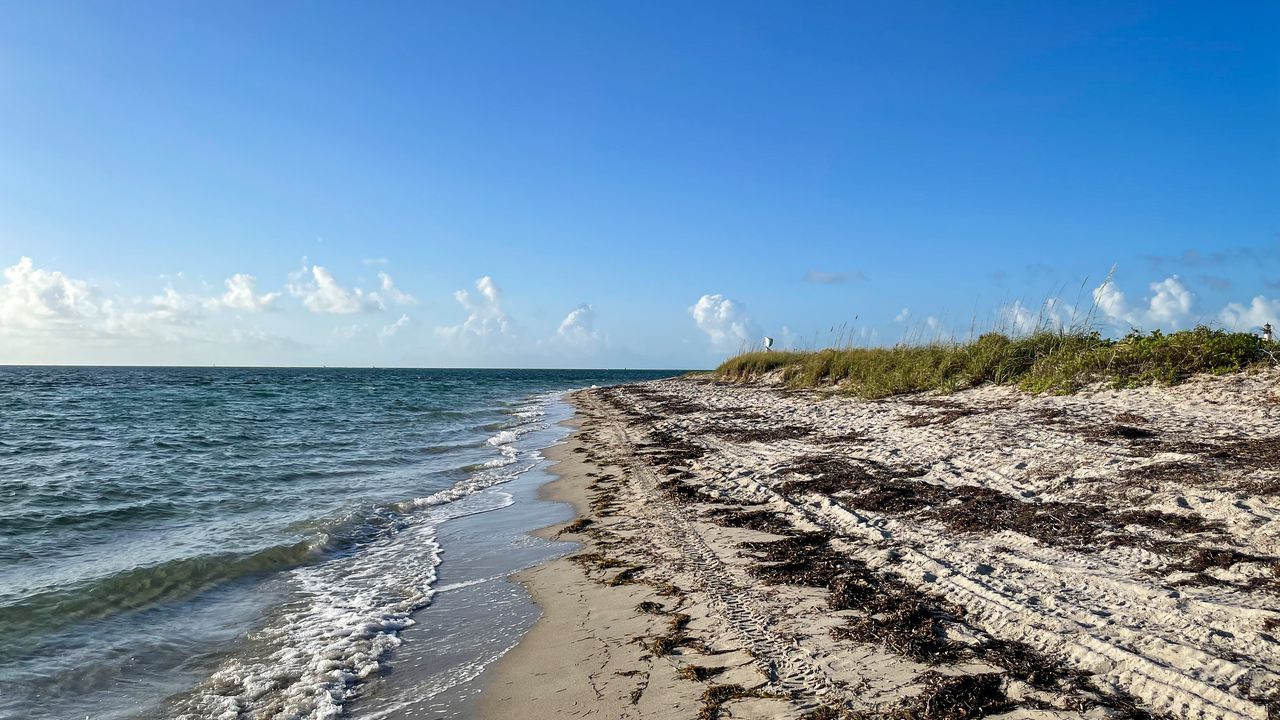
343 586
353 610
316 652
504 437
356 604
92 518
182 578
140 587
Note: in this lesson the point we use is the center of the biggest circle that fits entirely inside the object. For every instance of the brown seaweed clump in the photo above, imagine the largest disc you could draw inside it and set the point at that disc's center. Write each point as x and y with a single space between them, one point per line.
766 521
681 492
804 559
956 697
827 475
717 695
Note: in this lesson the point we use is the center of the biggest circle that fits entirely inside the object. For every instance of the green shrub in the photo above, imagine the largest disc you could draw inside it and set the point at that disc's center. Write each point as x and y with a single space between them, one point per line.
1042 361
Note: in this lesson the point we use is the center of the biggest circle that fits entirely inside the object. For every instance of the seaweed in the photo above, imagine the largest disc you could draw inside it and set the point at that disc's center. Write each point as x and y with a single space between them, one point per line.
1023 662
682 493
826 712
700 673
759 520
717 695
577 526
762 434
804 559
625 577
956 697
829 475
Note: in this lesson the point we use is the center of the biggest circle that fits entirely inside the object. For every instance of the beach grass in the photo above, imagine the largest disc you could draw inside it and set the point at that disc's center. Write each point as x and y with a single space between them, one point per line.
1043 361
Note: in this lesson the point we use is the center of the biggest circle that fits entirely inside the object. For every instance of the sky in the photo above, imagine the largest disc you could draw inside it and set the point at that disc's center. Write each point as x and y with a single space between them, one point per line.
608 184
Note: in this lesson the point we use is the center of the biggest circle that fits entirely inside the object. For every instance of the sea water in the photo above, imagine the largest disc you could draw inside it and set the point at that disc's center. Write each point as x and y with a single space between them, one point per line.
264 543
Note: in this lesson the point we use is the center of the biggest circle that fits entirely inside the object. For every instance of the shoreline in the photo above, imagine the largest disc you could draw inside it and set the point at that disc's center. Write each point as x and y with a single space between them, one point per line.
752 552
476 614
578 644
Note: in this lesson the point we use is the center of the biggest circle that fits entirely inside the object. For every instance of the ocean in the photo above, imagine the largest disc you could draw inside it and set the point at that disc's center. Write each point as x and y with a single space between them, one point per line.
268 543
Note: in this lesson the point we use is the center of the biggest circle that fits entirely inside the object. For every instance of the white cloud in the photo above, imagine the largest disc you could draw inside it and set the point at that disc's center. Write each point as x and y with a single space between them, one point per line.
322 293
1110 301
579 327
931 322
724 321
48 306
395 294
1171 302
1053 315
389 331
1168 307
37 301
1018 317
1257 313
374 261
242 294
171 316
485 317
47 316
175 307
902 315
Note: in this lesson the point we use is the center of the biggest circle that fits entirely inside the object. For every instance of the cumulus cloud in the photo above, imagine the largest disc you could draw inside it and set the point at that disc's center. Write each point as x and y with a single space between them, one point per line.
485 316
1018 317
389 331
393 293
242 294
1110 301
321 293
724 321
833 278
170 316
176 307
902 315
37 301
579 327
1053 314
47 304
1171 302
1246 318
47 315
1168 307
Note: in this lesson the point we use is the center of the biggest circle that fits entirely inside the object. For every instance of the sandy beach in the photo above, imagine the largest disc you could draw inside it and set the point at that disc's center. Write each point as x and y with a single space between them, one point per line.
755 552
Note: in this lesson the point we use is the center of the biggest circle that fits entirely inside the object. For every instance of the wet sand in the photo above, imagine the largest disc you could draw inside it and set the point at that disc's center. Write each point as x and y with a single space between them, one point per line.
755 552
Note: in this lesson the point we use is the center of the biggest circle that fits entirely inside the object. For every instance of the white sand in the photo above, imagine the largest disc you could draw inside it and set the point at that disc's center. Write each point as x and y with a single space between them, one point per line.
1115 604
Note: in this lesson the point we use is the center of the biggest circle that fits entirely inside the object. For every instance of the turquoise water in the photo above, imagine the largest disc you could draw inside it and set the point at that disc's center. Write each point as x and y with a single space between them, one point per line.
239 542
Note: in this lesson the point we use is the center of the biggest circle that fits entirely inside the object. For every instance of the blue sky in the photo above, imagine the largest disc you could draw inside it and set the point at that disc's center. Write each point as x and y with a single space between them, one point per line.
613 184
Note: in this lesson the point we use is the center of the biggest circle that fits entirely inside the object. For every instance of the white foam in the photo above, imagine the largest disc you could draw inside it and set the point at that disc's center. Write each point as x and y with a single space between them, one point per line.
350 610
466 584
349 616
505 437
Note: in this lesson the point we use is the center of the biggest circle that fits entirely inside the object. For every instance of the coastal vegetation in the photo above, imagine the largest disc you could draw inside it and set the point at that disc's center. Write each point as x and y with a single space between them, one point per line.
1042 361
